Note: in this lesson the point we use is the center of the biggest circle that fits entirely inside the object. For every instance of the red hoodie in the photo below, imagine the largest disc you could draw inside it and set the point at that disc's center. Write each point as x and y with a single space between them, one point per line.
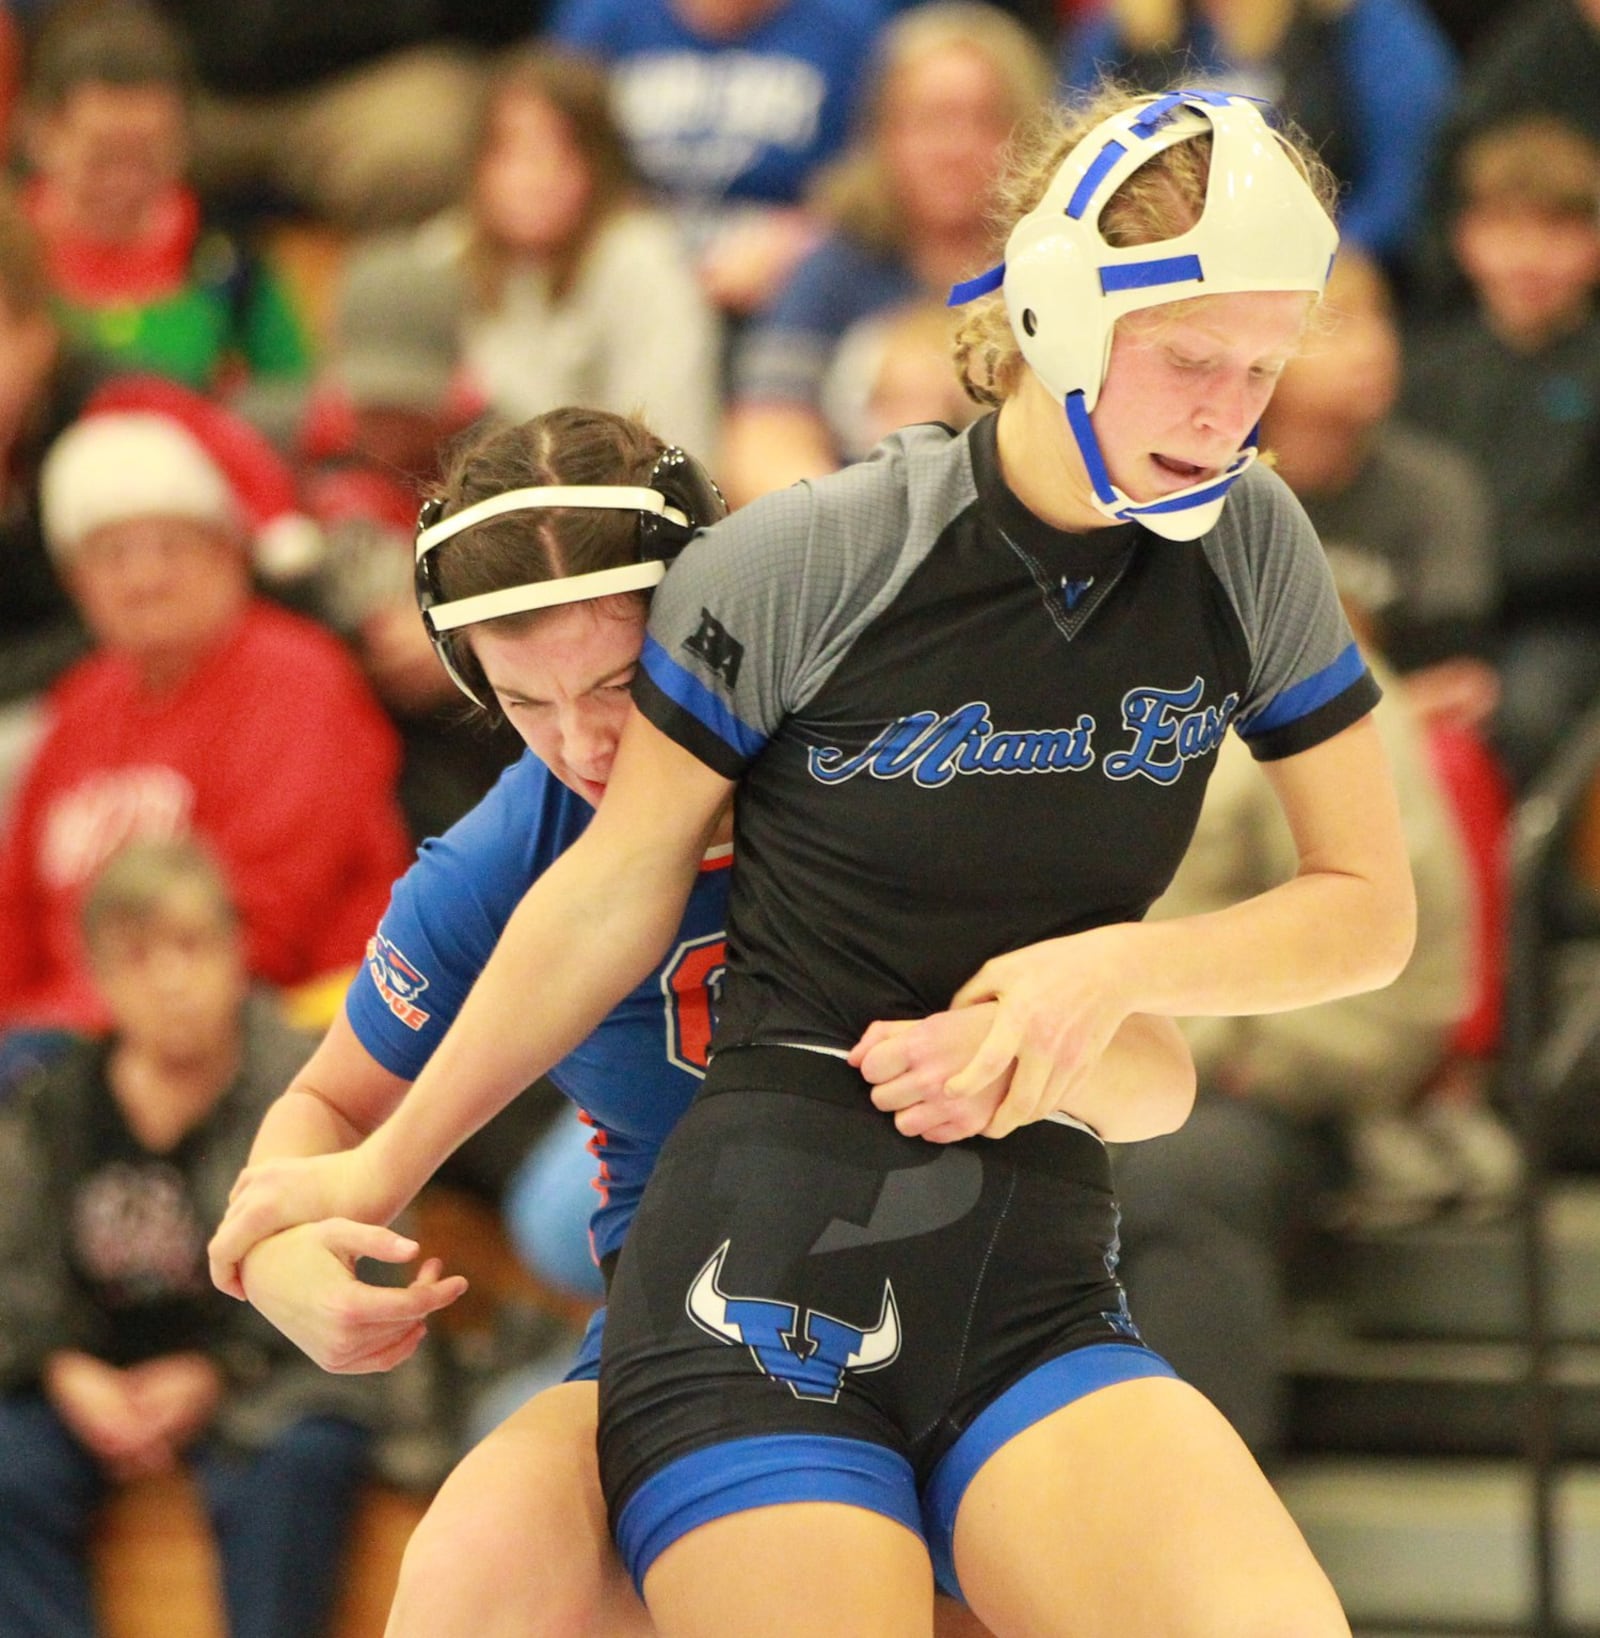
273 751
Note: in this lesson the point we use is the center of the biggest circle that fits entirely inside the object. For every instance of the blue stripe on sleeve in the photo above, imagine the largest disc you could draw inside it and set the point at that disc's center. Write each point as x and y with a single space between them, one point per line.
692 695
1306 696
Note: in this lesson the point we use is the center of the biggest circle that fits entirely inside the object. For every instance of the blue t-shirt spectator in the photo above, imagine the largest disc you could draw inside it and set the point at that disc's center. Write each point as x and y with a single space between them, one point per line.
1370 84
741 117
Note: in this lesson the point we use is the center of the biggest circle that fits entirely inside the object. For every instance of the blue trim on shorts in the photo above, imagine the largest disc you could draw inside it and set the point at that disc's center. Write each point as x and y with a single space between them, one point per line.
586 1362
746 1473
1040 1393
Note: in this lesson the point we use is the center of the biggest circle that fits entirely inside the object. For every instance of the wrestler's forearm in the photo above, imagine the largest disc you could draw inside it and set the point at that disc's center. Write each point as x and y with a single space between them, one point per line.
1343 925
585 934
340 1095
1316 938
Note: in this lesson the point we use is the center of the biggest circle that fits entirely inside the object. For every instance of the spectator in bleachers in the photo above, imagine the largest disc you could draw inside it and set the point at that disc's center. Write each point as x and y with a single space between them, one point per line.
1369 81
730 108
204 710
117 1357
1515 383
356 113
1210 1213
1540 57
570 288
392 397
1399 496
137 272
910 213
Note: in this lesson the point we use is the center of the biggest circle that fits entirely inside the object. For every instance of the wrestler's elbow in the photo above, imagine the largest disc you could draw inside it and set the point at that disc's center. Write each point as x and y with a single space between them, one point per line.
1390 930
1173 1081
1150 1088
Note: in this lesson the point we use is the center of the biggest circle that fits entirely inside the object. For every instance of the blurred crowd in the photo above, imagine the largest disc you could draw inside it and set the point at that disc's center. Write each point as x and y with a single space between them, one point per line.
262 263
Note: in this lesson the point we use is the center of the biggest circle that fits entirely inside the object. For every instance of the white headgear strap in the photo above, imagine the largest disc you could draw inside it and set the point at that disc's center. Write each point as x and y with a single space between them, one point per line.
1261 228
544 594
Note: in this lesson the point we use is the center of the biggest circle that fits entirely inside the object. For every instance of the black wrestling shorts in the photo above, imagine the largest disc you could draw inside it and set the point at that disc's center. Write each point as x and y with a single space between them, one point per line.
810 1306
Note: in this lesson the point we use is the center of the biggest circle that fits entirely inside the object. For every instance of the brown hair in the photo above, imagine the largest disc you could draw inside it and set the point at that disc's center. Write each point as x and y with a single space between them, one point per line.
136 885
1160 200
570 445
106 42
856 193
578 89
1535 161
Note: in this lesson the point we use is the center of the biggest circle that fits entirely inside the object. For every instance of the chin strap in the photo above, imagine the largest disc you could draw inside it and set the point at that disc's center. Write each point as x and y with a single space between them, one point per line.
1185 514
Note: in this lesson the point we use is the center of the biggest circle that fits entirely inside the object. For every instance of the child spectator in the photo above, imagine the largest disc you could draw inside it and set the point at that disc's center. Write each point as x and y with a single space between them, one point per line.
1405 500
731 107
205 710
910 208
1516 384
117 1357
1537 57
394 394
137 273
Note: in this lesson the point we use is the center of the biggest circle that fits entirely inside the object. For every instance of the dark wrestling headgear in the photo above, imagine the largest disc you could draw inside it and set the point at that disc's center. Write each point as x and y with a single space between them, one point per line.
678 499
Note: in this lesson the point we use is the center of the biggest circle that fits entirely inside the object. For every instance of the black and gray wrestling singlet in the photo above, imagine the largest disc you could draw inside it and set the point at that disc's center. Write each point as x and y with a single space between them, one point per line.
957 731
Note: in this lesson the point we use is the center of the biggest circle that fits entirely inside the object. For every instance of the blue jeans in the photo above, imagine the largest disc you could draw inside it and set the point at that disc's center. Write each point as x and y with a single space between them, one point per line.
280 1518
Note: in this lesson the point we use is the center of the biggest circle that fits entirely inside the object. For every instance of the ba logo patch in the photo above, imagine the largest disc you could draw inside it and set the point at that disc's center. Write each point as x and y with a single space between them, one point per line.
397 981
811 1356
710 642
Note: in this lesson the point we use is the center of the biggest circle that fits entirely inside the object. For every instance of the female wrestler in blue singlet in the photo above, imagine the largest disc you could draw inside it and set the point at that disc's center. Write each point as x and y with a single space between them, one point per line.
526 629
969 693
559 665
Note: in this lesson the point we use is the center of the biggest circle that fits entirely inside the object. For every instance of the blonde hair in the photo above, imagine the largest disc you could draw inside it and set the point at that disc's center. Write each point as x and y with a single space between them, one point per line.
856 193
139 884
1160 200
1358 283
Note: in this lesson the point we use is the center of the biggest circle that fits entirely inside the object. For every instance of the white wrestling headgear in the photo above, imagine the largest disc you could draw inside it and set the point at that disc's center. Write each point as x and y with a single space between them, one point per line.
679 498
1065 287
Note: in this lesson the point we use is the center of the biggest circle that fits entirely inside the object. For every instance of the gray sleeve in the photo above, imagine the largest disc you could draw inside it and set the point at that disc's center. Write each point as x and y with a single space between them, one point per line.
759 610
1308 680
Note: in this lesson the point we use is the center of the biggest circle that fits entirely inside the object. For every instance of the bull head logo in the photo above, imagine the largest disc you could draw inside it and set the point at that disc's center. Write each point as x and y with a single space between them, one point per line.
812 1357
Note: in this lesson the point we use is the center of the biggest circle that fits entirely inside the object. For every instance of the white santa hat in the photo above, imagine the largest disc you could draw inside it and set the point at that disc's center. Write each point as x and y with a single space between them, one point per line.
150 448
